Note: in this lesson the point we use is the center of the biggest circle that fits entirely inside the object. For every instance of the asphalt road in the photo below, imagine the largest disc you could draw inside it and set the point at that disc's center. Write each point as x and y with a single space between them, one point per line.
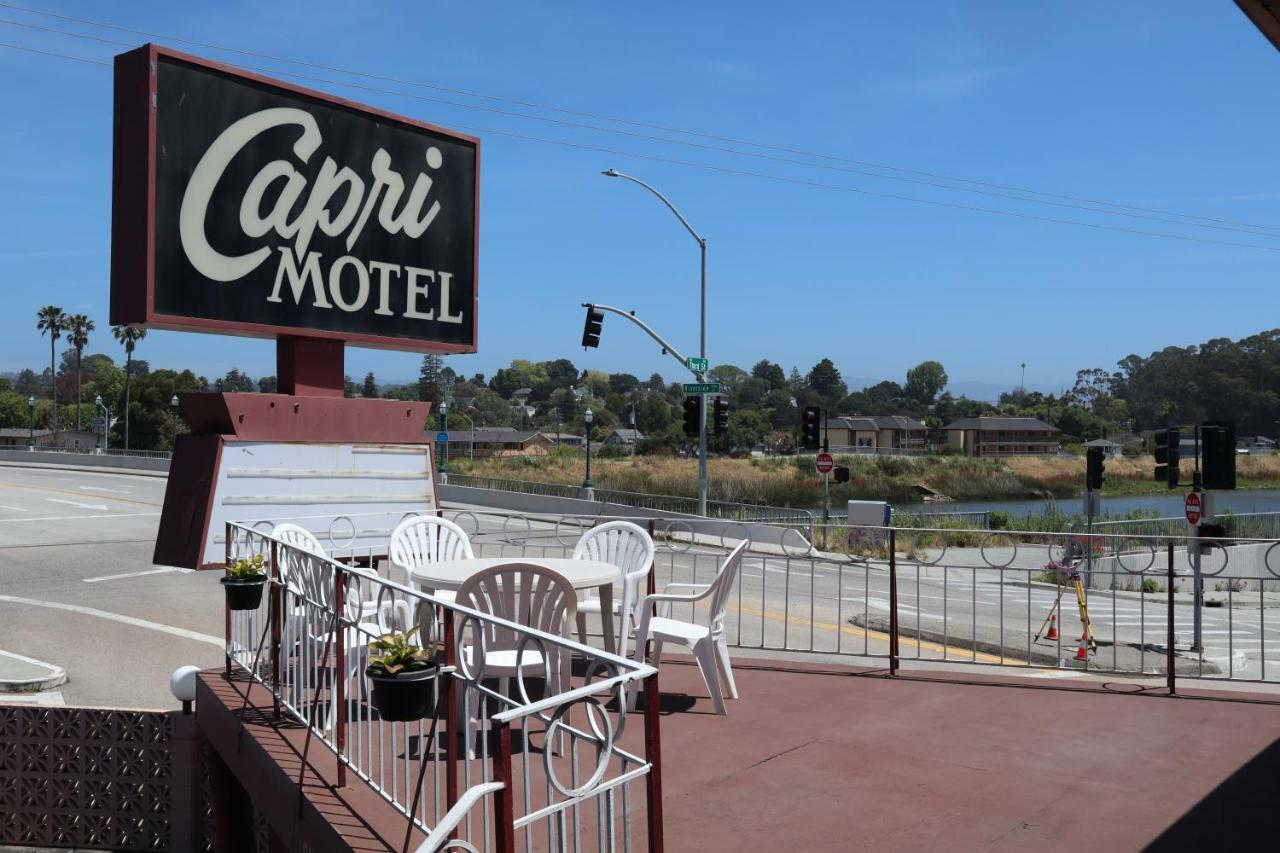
78 589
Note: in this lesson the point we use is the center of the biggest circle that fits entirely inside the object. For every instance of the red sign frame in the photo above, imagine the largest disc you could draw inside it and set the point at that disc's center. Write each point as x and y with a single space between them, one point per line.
134 209
826 460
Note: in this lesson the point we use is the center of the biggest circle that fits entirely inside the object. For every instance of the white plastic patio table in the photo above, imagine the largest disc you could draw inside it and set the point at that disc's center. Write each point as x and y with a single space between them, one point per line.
582 574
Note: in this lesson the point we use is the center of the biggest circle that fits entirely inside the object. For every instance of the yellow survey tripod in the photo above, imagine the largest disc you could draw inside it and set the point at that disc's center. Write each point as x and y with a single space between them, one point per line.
1068 574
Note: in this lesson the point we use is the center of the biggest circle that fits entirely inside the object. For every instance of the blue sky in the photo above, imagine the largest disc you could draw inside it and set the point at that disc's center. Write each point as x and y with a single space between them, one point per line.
1176 110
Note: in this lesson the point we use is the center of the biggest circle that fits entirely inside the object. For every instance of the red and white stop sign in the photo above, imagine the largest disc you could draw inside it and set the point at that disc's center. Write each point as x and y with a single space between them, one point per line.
824 463
1192 507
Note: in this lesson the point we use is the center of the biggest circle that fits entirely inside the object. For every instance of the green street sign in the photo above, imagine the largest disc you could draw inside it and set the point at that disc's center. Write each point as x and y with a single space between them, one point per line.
702 387
697 365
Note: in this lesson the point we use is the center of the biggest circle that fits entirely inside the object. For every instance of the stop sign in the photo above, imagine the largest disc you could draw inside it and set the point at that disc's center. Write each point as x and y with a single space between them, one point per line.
824 463
1192 507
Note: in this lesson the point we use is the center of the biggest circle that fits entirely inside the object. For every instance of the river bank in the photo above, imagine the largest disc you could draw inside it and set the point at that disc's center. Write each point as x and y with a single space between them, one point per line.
791 481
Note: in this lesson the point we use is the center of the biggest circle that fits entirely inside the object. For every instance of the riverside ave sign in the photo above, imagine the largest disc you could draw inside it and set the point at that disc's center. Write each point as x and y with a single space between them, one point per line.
247 206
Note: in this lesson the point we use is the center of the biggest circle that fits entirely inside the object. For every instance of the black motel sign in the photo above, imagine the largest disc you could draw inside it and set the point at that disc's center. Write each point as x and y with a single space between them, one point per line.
244 205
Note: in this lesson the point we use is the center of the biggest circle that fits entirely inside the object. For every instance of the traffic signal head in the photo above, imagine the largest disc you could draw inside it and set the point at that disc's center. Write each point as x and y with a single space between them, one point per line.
841 473
721 415
1218 451
591 330
691 416
1094 466
811 428
1167 454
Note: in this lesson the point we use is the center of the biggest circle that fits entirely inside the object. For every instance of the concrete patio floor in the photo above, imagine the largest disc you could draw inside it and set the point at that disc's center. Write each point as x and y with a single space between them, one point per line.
834 758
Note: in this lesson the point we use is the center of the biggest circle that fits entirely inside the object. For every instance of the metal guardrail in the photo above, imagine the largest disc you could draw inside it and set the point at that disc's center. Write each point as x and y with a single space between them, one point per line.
638 500
554 770
89 451
1249 525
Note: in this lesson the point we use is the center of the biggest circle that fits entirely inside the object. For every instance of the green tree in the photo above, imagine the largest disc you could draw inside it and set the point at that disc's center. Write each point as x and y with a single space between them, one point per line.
746 429
52 320
924 381
825 381
370 387
770 373
78 328
128 336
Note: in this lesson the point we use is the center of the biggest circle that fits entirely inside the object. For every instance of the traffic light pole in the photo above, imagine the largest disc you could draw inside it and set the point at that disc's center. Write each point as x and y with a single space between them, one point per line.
701 376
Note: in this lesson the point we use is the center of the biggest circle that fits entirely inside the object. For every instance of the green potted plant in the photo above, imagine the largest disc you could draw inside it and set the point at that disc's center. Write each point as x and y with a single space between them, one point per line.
244 581
402 676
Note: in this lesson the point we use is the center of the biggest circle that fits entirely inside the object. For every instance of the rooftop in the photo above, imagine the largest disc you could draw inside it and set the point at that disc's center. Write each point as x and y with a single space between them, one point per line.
1002 423
870 422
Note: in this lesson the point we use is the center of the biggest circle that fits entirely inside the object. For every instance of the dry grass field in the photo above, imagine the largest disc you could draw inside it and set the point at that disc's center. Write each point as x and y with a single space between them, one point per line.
792 481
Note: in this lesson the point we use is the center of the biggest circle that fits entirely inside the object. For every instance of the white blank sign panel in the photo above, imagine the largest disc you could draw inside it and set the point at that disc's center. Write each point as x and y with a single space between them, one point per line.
351 496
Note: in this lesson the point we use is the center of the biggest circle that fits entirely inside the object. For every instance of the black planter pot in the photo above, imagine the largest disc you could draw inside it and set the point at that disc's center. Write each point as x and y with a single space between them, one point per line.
405 697
244 594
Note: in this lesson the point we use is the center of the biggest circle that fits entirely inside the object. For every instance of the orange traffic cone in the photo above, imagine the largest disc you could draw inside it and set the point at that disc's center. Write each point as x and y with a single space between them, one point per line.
1053 627
1082 652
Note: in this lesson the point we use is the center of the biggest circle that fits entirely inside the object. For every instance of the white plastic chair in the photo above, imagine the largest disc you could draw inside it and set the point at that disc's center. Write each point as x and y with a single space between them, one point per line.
425 539
526 594
707 642
299 537
628 547
317 577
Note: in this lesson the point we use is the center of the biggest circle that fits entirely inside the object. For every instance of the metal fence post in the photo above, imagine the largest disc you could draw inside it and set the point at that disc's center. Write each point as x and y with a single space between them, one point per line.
504 813
451 744
226 608
893 602
653 748
340 673
1170 677
274 616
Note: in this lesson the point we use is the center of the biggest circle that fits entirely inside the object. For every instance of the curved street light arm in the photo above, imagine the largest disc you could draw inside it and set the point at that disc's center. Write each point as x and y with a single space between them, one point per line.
614 173
630 315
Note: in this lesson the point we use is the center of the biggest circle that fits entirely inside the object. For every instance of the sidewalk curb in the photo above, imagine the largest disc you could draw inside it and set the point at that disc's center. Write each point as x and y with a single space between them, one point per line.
90 469
55 676
1183 665
1157 597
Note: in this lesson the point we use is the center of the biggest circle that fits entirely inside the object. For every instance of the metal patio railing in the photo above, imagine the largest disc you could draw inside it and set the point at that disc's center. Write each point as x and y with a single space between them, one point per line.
550 762
948 595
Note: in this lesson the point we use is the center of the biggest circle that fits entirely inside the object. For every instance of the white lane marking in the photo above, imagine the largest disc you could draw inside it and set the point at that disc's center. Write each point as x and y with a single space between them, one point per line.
117 617
101 507
76 517
105 489
163 570
882 604
14 508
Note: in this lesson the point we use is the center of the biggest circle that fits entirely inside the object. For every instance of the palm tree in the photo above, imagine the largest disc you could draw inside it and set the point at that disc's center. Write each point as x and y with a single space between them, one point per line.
129 336
53 320
79 326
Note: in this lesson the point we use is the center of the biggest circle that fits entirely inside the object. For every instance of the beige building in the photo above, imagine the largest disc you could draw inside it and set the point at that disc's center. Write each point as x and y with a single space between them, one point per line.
999 436
497 441
875 434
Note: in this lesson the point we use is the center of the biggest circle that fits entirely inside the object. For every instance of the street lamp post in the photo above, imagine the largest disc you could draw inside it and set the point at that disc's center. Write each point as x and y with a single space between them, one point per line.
588 417
31 422
444 428
173 404
106 423
702 349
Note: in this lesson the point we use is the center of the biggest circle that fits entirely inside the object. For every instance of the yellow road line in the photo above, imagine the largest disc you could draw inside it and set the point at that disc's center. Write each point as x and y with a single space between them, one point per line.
947 651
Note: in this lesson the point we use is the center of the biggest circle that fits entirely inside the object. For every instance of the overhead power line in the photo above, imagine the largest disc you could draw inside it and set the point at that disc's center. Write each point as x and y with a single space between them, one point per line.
1064 200
725 169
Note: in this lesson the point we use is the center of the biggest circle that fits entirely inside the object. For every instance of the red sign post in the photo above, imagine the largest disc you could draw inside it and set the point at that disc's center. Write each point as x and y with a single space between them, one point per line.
824 463
1192 508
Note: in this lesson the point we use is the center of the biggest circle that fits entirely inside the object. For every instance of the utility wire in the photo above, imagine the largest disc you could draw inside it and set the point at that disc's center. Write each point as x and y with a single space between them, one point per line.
742 172
707 147
1074 199
662 139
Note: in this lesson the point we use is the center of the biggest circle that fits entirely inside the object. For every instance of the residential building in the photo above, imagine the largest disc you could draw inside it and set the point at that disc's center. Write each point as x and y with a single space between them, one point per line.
498 441
1001 436
1110 449
875 434
11 437
624 437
